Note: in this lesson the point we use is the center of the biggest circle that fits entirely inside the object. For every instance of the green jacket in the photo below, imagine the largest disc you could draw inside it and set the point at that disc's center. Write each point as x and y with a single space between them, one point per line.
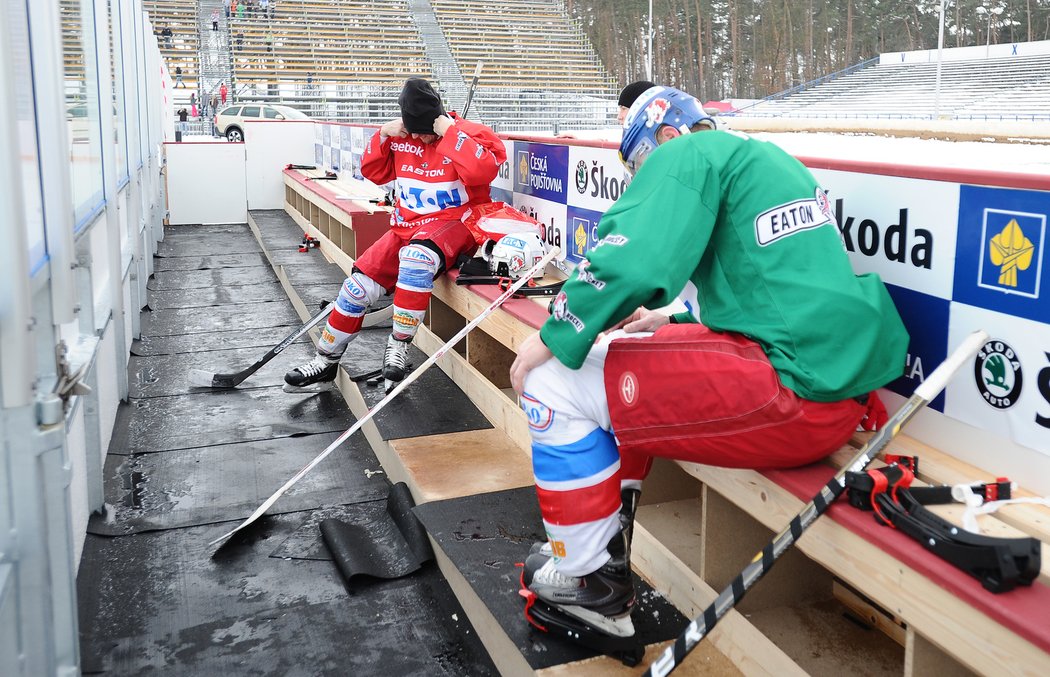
741 232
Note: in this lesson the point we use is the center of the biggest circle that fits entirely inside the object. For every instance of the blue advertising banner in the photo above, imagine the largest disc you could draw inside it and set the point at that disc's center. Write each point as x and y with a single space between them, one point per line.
541 170
926 318
1001 257
581 232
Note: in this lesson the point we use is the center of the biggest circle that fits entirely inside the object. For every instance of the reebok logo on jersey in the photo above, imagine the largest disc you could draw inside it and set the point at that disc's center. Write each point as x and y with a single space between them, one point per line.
407 147
791 218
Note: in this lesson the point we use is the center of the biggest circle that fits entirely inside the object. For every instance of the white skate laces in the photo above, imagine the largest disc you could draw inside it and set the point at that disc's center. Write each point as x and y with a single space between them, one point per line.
548 574
395 359
315 366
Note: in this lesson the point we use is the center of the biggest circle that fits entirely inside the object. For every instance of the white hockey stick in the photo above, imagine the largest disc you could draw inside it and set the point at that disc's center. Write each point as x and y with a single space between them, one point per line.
522 281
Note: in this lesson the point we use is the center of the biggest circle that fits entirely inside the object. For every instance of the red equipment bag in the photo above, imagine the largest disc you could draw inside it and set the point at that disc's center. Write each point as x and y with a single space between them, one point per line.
493 220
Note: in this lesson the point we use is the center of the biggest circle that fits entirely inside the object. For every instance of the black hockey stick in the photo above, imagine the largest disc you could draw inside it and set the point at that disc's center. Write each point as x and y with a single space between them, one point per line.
473 86
504 282
206 379
673 656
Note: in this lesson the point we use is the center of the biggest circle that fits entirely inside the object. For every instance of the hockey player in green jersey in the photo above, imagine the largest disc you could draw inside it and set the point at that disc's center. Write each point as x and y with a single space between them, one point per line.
773 363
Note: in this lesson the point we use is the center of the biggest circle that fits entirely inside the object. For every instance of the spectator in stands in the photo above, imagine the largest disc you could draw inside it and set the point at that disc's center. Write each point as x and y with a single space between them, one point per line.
182 126
167 35
240 40
443 165
240 9
264 6
178 78
269 41
215 19
223 92
772 378
226 6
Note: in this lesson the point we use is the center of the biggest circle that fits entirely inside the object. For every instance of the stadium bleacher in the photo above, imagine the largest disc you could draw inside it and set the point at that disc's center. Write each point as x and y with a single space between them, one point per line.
997 88
346 59
181 49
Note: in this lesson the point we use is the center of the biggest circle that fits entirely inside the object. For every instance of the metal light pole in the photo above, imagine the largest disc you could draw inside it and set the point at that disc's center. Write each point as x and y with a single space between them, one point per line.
649 51
940 48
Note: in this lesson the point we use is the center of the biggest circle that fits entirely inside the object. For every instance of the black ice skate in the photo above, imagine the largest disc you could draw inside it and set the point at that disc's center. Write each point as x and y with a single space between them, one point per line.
602 599
592 610
317 374
395 362
628 507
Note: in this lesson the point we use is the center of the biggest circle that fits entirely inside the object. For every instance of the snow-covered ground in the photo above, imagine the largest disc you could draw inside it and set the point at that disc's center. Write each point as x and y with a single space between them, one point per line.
1022 156
1026 157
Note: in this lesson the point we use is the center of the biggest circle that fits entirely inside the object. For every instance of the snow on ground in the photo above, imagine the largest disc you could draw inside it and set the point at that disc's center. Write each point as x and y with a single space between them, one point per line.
1026 157
1009 157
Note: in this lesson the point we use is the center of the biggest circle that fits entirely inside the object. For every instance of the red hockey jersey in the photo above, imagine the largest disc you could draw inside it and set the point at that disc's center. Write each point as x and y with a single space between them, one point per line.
444 177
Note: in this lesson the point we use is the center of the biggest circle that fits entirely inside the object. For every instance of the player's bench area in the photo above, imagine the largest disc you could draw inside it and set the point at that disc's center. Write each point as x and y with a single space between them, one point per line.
851 597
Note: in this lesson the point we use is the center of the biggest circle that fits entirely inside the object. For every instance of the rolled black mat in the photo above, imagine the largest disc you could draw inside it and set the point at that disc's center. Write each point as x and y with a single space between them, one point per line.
391 545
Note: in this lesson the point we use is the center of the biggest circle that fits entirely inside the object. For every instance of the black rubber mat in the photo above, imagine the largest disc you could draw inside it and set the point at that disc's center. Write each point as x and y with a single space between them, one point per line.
229 481
289 255
246 317
432 405
391 544
306 542
215 277
487 534
215 296
206 244
156 603
198 230
264 337
223 417
164 375
210 261
276 228
323 273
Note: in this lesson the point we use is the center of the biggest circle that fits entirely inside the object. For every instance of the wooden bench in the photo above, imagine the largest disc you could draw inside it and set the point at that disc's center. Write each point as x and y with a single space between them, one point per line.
851 596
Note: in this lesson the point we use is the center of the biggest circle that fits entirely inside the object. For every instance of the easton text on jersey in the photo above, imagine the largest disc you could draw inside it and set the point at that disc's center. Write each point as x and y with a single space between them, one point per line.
788 219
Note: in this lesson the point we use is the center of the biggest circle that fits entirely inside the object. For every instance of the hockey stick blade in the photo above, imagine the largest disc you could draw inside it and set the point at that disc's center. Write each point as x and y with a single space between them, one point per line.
700 627
496 303
204 379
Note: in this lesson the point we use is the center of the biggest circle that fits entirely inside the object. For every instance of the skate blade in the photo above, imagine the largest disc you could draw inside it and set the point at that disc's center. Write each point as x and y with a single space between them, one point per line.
312 388
618 626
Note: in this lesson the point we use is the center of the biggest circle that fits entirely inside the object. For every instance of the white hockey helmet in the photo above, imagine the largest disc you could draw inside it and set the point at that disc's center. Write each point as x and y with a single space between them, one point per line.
515 254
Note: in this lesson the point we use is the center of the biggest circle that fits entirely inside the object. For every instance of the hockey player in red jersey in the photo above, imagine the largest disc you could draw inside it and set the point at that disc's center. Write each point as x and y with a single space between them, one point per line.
443 165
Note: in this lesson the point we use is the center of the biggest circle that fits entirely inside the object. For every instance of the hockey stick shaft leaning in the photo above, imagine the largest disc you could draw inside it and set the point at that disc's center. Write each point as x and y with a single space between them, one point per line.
392 394
473 86
764 560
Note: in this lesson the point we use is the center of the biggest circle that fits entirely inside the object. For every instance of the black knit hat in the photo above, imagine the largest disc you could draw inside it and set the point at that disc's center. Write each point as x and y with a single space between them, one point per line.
632 91
420 106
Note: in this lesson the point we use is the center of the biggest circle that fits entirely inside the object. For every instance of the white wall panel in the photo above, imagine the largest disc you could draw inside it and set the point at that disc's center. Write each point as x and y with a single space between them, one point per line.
206 183
269 146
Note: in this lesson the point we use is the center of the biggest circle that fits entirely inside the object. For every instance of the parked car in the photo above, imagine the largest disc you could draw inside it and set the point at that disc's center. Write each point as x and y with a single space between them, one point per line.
230 120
